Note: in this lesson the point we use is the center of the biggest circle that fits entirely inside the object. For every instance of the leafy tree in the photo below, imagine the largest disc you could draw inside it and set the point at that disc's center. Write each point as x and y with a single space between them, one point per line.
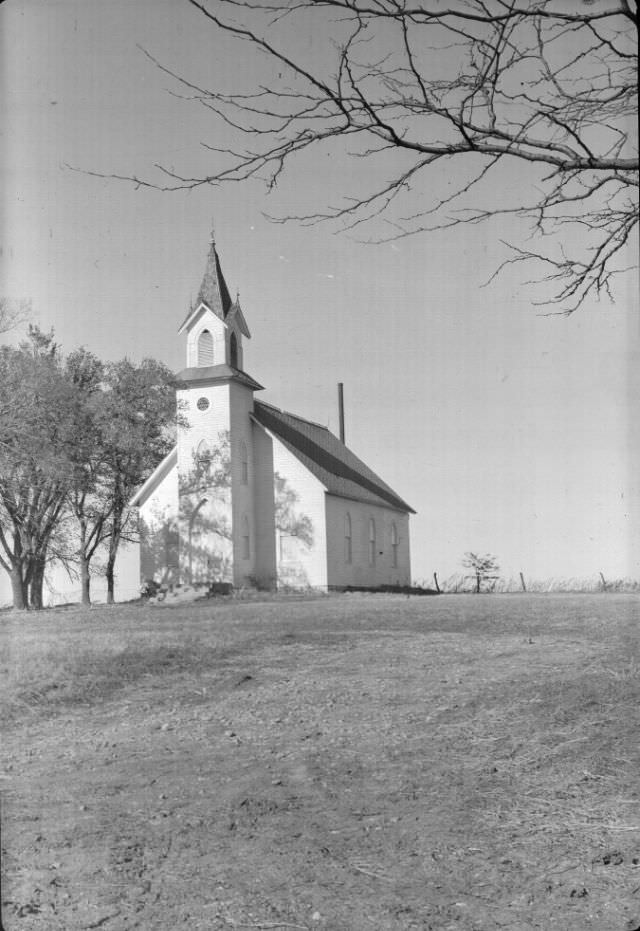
76 439
435 98
13 313
122 419
484 566
33 460
88 500
137 417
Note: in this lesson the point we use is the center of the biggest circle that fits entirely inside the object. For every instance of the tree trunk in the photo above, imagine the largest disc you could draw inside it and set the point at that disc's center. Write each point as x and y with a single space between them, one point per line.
18 588
85 579
114 543
110 585
36 583
83 560
477 583
110 570
18 575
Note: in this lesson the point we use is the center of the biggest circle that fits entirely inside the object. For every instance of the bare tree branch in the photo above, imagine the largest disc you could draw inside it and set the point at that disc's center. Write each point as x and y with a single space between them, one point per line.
469 86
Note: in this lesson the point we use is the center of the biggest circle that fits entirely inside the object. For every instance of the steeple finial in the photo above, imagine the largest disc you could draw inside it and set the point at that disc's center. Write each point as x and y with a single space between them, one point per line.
212 235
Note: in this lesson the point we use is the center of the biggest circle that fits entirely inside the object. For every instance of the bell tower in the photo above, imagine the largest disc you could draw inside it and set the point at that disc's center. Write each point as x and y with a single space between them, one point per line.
215 325
215 439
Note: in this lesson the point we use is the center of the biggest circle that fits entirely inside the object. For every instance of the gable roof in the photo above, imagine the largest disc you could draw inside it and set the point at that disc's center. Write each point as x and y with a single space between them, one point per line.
335 466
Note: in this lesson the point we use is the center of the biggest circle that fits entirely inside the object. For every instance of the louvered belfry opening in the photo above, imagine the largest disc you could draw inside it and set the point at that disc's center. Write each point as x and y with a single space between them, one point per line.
205 348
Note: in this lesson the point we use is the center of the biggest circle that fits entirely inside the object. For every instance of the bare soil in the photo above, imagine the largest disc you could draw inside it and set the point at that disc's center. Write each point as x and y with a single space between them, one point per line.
350 762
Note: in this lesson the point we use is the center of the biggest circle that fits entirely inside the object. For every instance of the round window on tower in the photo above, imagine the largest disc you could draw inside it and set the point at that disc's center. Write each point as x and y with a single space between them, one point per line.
203 404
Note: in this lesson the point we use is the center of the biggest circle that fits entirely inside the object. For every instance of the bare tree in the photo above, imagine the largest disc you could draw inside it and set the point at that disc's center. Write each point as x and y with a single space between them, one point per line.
436 98
485 566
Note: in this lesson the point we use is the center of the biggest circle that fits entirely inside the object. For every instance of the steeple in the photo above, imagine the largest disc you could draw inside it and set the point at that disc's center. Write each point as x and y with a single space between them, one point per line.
213 290
215 324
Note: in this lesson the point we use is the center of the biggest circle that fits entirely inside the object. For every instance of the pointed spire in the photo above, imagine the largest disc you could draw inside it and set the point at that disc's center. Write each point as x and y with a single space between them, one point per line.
213 290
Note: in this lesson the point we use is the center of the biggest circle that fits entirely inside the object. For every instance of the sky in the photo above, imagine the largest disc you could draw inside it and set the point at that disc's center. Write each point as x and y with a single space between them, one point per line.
508 431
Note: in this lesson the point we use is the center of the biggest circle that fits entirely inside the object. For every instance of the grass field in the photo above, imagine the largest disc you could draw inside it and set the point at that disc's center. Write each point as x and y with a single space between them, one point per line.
349 762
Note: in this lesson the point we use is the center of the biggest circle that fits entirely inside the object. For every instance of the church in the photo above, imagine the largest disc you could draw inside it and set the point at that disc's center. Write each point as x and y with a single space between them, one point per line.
254 495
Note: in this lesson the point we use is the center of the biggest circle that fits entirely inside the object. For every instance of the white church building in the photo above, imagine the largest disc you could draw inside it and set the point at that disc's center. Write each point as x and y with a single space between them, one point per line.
255 495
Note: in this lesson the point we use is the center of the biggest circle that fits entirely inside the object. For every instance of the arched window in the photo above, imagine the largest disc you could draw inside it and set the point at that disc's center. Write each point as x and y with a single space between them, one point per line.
233 351
246 538
244 463
205 348
394 546
372 542
203 458
347 538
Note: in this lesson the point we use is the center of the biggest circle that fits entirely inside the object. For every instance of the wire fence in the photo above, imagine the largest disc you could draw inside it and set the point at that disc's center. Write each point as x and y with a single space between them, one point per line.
463 583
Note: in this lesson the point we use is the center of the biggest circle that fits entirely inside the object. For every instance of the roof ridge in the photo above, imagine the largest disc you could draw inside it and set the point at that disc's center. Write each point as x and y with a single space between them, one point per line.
281 410
272 406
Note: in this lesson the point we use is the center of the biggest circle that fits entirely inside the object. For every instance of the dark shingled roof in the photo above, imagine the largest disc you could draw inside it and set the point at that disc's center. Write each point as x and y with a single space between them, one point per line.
213 290
339 470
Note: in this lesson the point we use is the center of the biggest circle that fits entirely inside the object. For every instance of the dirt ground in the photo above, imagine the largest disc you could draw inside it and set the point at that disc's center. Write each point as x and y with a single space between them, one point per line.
349 762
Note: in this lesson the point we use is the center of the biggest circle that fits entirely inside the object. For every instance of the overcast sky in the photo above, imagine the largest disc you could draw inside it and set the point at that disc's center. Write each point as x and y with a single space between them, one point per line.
507 431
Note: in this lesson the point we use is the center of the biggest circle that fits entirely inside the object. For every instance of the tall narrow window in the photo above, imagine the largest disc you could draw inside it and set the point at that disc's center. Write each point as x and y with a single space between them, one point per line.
394 546
205 348
203 458
246 539
244 463
347 538
372 542
233 351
